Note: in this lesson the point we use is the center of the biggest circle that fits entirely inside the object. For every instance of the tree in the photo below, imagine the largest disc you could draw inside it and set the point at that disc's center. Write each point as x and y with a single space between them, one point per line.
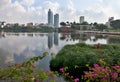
68 23
115 24
95 24
63 24
84 23
74 22
101 27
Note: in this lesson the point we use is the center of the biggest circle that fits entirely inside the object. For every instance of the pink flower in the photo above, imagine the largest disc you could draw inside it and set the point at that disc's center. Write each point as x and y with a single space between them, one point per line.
85 73
96 65
33 66
48 71
114 75
94 75
76 80
61 69
116 67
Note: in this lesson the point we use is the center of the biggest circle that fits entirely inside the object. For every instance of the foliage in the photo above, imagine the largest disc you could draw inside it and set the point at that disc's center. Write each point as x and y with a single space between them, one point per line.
114 39
100 27
76 63
26 29
85 23
103 74
25 72
115 24
82 54
97 73
63 24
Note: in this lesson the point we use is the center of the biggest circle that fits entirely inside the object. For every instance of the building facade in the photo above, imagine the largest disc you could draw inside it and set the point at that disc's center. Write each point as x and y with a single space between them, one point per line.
109 22
81 19
56 20
30 25
50 17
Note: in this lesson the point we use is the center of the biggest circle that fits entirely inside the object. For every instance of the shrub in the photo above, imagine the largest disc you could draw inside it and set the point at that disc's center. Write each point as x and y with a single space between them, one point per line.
81 54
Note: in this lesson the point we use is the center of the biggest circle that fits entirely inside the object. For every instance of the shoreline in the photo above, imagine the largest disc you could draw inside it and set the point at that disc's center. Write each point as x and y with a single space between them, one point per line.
99 32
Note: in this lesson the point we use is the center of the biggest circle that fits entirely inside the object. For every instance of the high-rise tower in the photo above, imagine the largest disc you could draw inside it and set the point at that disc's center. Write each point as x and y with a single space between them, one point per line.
56 20
50 17
81 19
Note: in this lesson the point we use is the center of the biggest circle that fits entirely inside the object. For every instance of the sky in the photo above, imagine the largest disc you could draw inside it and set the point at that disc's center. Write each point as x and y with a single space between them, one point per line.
24 11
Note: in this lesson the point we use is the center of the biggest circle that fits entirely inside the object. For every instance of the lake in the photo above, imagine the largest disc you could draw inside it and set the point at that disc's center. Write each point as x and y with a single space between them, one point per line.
20 47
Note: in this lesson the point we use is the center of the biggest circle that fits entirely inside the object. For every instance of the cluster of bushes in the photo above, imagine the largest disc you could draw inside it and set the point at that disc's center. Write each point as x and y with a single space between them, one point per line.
97 73
76 63
26 72
83 55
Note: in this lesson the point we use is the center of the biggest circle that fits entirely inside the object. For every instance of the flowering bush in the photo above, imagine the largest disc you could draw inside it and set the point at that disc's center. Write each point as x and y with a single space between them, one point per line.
25 72
103 74
67 75
96 73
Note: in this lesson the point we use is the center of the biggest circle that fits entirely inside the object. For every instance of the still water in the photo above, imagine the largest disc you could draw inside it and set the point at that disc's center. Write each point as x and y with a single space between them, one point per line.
19 47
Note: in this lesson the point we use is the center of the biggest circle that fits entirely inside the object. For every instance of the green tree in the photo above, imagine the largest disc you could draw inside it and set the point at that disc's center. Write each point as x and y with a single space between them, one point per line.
101 27
115 24
63 24
84 23
95 24
74 22
68 23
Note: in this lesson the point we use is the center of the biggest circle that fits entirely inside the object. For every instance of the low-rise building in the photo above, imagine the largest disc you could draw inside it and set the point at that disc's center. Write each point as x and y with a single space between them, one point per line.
8 25
30 25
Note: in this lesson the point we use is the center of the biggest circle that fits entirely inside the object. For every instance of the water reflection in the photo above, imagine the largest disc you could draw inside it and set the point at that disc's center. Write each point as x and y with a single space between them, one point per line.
19 47
50 40
113 39
56 38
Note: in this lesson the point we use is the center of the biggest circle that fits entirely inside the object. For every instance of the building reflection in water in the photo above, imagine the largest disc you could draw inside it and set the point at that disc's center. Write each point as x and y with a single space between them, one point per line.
50 40
80 37
56 38
2 34
51 37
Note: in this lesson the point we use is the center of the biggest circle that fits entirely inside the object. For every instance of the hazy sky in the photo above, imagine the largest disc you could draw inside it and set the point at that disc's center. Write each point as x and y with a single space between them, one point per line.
23 11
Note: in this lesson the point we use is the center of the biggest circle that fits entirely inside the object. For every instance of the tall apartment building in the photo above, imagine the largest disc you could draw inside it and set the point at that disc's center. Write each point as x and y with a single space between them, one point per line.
50 17
81 19
56 20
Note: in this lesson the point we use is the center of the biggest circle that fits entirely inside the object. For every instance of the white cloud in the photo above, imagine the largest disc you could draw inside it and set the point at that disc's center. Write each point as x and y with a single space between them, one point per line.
68 13
28 2
101 1
70 7
101 12
49 5
16 12
12 12
24 11
4 3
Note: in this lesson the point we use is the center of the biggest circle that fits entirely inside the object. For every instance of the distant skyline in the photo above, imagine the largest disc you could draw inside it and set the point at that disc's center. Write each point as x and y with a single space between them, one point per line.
24 11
